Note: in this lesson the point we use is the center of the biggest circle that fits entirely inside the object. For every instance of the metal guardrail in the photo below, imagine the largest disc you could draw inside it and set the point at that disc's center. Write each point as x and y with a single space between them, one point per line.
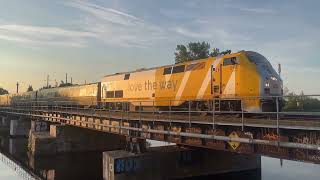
74 107
187 110
277 143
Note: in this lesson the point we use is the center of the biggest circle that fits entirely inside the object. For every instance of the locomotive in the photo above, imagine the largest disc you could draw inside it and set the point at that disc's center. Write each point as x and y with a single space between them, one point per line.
240 81
243 80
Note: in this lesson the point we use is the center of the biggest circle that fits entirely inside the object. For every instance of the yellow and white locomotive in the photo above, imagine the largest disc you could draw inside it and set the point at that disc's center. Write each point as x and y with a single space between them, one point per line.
244 79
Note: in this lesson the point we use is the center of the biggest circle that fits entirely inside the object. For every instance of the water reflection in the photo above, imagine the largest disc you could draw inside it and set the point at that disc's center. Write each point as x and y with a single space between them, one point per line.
290 170
61 167
7 173
88 166
248 175
273 169
68 166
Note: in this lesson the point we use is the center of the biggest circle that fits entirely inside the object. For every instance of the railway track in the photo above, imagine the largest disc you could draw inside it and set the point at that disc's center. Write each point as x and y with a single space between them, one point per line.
309 120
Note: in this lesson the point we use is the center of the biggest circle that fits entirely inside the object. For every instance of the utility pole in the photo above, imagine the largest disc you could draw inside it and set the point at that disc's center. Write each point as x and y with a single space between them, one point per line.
279 69
17 87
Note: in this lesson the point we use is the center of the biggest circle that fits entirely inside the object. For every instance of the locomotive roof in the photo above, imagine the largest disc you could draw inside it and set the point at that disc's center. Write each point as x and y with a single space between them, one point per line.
147 69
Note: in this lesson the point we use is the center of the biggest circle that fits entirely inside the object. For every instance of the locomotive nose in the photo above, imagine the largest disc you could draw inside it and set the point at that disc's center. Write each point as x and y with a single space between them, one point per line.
273 86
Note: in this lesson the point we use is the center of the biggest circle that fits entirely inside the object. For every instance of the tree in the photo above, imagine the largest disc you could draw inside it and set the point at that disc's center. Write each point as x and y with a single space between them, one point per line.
286 91
216 52
196 50
3 91
30 88
199 50
63 84
182 54
293 102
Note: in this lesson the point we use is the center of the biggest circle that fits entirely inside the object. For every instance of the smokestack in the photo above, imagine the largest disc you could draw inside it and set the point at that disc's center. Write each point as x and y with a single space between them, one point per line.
66 78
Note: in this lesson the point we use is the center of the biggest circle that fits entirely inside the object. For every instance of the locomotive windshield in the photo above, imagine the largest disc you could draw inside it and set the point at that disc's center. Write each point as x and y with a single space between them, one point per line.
263 65
270 81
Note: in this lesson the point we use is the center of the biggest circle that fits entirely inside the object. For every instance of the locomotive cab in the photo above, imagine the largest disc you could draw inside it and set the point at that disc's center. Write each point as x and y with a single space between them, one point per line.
270 81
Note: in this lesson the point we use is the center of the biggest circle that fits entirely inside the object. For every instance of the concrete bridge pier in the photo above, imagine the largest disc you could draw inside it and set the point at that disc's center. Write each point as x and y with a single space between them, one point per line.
20 127
17 146
65 139
172 162
5 122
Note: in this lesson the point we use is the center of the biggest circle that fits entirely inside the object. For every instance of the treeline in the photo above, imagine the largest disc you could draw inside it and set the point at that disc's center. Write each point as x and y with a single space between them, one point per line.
294 102
196 50
3 91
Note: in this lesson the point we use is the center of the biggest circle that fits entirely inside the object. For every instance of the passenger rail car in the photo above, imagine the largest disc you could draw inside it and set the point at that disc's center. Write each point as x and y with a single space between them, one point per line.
5 100
87 95
237 80
84 95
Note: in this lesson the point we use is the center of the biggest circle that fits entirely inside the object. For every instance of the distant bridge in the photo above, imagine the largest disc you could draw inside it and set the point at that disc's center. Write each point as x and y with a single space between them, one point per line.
287 135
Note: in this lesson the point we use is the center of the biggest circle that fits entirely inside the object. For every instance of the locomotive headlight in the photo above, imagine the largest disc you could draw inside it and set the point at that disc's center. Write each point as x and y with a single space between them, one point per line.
267 84
274 78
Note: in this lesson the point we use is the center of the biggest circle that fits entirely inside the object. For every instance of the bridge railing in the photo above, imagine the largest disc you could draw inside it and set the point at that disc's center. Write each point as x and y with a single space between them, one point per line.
293 107
192 112
299 104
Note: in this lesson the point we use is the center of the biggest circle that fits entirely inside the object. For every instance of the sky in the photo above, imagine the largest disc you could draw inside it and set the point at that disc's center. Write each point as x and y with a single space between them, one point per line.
89 39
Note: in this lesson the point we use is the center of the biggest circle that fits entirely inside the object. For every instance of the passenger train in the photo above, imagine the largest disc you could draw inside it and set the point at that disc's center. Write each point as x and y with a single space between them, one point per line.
239 81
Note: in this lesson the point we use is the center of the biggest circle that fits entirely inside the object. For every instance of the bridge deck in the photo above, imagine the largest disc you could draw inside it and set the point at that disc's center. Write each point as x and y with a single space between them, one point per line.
285 138
266 121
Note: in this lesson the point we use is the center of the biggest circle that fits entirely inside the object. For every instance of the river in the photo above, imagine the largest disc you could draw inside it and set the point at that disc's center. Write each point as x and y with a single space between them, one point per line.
84 166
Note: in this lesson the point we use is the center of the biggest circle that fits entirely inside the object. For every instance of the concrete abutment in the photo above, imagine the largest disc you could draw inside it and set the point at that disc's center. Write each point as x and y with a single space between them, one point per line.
172 162
66 139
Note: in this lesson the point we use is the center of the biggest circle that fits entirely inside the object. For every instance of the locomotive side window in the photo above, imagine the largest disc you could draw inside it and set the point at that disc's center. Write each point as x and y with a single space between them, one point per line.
167 70
197 66
119 94
110 94
126 76
178 69
230 61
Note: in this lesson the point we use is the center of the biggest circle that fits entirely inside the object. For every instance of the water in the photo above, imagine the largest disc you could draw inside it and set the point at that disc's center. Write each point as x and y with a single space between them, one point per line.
59 167
290 170
7 173
88 166
271 170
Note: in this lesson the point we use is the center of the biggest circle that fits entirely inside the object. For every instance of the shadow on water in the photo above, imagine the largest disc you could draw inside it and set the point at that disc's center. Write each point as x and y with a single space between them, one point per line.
247 175
69 166
60 167
88 166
